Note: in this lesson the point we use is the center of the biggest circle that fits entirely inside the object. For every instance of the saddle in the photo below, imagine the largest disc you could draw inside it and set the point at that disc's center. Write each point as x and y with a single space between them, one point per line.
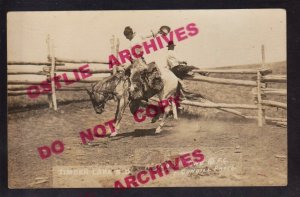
149 82
152 77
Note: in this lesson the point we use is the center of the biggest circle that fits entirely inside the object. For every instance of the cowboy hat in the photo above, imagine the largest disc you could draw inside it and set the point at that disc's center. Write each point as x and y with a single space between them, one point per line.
164 29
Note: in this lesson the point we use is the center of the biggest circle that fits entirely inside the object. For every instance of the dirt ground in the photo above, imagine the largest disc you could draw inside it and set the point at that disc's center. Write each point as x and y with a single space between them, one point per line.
237 152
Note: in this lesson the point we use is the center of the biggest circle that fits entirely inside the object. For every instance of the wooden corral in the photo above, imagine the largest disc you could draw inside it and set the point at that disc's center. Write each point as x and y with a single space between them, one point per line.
261 78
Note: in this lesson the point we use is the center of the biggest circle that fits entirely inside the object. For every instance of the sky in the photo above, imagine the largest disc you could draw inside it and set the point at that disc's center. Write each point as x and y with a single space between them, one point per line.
226 37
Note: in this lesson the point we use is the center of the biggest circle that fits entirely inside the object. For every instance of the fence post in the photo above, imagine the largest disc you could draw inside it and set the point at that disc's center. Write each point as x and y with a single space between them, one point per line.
48 77
114 46
117 51
52 73
261 111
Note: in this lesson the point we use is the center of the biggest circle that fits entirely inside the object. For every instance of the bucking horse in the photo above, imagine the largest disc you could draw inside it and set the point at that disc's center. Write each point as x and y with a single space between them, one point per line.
133 88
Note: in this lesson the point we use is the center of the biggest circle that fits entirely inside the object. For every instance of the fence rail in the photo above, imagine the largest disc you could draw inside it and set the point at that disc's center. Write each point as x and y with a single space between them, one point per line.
233 71
64 60
274 91
274 78
32 63
219 105
224 81
71 68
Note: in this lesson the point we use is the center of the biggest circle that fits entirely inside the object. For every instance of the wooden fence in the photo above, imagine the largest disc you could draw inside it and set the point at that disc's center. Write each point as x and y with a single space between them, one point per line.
259 90
56 65
263 76
50 69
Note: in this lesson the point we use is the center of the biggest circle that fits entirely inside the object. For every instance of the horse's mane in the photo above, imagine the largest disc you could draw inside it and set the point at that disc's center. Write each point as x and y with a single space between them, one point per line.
108 83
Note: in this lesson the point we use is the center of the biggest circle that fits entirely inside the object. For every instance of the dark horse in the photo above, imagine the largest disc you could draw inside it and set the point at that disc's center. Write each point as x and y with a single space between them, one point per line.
146 84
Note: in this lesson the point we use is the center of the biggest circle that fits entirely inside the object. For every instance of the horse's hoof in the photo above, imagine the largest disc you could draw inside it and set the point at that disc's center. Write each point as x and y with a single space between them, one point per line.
114 134
158 130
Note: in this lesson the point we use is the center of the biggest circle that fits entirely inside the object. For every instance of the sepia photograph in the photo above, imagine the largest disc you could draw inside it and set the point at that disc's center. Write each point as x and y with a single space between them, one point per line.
147 98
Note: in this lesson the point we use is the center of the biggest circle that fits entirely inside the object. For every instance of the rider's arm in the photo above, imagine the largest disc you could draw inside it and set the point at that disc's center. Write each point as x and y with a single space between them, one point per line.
153 35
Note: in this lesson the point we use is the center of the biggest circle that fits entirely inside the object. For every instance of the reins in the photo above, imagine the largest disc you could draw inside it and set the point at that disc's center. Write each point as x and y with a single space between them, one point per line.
106 93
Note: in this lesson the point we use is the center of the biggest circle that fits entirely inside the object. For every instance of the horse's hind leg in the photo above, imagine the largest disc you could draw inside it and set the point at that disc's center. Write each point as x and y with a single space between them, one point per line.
174 109
155 118
166 111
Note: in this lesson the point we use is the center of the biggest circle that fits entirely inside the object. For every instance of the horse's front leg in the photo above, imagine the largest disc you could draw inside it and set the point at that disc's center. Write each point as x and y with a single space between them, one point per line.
117 120
122 104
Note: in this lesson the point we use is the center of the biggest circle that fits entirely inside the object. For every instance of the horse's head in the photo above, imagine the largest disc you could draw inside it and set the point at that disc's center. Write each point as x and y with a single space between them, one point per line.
98 101
99 96
105 90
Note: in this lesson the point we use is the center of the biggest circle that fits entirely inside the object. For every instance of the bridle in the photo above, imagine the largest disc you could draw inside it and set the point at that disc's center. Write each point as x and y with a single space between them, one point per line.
107 94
